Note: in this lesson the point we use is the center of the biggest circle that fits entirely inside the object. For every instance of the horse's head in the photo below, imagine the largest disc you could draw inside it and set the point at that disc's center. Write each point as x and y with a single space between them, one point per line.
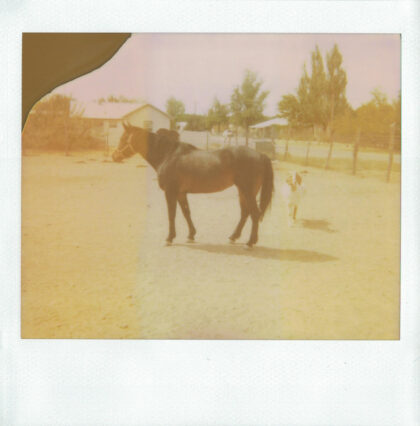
125 147
133 140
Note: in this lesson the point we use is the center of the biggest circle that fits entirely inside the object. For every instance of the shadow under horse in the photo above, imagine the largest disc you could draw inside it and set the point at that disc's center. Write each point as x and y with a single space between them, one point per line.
184 169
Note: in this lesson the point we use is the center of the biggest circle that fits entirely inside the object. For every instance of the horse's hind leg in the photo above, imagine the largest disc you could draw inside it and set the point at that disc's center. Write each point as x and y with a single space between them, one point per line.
255 216
171 202
183 202
244 216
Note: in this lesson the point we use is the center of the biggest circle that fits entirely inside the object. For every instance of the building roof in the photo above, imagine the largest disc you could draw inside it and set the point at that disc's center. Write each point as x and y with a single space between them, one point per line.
109 110
273 122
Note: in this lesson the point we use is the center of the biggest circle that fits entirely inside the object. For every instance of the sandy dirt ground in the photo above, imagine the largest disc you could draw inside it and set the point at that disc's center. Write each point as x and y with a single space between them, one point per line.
95 264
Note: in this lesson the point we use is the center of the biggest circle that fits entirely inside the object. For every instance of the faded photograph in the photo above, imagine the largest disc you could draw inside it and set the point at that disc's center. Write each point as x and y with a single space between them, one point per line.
217 186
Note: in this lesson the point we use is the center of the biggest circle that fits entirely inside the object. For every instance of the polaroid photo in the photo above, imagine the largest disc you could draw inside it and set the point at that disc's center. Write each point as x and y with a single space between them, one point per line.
212 226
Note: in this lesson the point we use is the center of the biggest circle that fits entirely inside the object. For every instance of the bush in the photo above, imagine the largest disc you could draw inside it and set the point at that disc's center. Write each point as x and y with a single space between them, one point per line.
52 126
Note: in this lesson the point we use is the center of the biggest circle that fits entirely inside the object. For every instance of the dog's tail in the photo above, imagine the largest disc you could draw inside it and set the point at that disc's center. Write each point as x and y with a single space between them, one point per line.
267 186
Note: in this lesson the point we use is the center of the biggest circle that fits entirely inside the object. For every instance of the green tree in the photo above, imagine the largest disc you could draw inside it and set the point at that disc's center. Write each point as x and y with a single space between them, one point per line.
117 99
397 108
195 122
317 94
289 109
296 109
320 97
175 108
55 124
218 115
336 93
375 118
247 102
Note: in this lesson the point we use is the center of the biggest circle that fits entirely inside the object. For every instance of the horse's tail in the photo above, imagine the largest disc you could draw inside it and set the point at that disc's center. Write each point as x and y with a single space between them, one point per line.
267 186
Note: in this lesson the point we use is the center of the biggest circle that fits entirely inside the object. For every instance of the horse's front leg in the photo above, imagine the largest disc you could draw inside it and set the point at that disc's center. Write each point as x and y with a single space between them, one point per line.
183 202
171 198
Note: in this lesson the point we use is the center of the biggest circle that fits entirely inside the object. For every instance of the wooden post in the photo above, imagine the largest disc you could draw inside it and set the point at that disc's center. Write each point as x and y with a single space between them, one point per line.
331 141
106 145
207 140
391 151
356 150
307 152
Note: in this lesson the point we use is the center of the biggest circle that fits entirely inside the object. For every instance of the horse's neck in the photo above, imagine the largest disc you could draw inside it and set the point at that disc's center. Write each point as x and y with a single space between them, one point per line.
159 148
145 148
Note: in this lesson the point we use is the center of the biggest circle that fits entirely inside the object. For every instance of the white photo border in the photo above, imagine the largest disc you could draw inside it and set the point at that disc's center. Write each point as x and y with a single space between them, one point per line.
79 382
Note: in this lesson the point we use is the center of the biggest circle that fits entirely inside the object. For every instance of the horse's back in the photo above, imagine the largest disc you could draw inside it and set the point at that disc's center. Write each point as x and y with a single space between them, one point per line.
199 171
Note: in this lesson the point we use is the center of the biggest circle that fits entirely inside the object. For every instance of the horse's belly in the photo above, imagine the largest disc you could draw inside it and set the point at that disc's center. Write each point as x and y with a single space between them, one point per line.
204 184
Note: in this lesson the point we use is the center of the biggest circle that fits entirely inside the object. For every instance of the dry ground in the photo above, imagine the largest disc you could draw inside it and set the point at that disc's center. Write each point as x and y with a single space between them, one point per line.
94 262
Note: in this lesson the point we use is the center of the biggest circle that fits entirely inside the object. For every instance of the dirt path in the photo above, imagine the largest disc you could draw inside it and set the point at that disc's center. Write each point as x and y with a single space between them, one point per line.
95 264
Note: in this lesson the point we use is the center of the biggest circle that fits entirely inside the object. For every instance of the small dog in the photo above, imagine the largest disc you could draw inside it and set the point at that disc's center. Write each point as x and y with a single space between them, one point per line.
293 191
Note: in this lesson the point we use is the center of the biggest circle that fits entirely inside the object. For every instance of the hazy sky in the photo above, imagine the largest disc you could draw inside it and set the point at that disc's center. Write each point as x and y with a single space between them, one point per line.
195 68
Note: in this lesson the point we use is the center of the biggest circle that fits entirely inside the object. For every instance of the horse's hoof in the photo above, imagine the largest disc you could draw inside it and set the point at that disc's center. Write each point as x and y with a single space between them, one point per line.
168 243
248 247
190 240
232 241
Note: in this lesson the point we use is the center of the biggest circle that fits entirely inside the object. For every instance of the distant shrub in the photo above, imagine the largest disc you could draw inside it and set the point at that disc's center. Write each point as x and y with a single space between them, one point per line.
52 125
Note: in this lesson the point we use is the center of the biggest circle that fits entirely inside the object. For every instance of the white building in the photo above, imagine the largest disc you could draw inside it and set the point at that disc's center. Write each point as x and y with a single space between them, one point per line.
106 118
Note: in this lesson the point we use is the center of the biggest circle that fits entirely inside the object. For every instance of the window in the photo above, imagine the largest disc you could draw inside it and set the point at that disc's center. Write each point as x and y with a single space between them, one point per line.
148 125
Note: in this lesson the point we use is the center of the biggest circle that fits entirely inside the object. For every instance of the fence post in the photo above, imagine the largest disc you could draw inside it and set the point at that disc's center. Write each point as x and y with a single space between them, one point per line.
356 150
106 153
327 164
391 151
308 145
207 140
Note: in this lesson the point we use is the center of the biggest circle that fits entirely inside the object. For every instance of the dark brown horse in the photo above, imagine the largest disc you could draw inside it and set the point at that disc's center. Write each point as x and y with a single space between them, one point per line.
182 168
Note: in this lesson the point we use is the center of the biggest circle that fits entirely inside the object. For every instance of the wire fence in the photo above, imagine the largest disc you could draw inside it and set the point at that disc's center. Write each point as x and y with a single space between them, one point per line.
352 157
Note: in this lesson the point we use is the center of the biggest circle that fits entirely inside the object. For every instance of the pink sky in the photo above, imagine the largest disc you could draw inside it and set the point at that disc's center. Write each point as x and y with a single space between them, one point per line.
195 68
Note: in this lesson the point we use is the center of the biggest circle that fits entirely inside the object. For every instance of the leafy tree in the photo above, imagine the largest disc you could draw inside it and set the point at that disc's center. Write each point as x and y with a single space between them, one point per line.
375 118
120 98
54 124
289 108
316 97
218 115
397 109
320 97
195 122
247 102
336 92
297 109
175 109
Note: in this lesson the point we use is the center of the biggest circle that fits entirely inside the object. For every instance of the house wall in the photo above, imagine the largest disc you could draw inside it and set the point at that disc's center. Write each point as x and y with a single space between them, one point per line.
149 116
114 129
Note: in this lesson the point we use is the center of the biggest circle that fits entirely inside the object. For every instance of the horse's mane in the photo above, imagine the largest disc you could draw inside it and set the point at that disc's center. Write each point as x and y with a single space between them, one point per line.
163 143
